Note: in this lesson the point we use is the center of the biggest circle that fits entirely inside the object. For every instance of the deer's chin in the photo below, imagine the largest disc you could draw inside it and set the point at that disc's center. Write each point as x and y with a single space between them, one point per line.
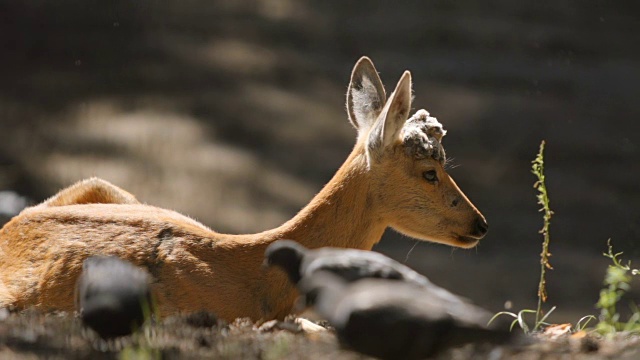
465 242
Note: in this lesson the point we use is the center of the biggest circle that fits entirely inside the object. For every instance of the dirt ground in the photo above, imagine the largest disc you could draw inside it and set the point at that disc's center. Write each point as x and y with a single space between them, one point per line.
30 335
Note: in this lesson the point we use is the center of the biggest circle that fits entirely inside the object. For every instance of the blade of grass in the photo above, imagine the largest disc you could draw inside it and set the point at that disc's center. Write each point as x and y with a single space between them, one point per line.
541 322
580 326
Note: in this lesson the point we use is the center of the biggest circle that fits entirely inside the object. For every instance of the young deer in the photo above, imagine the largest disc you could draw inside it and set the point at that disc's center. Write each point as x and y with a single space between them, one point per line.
393 177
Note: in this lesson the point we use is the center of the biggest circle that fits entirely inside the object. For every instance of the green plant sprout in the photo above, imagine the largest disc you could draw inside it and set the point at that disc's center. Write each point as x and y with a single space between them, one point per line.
520 320
583 322
537 168
616 283
617 279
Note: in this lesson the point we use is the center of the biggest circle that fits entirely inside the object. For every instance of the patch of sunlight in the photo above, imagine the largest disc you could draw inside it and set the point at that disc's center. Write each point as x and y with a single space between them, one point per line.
64 168
301 118
171 160
233 56
237 56
280 9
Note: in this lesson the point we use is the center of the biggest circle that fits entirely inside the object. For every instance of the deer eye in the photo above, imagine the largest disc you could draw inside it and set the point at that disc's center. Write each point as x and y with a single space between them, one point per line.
431 176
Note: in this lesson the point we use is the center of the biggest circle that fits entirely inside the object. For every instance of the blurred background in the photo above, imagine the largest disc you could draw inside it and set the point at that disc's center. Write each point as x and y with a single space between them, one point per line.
232 112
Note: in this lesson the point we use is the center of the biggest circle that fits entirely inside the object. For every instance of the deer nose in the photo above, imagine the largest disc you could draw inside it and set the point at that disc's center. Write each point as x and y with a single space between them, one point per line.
481 227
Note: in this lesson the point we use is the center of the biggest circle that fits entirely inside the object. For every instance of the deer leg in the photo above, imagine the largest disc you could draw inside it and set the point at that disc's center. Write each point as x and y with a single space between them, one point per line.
90 191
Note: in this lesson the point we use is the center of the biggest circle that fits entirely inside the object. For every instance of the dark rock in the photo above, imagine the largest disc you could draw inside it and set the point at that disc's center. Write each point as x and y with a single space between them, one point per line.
397 320
113 296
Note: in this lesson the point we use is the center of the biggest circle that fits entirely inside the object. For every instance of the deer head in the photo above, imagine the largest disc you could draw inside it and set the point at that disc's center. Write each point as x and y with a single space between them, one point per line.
405 159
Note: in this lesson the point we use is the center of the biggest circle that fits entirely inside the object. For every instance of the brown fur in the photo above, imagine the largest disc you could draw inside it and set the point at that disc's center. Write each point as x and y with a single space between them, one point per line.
380 185
90 191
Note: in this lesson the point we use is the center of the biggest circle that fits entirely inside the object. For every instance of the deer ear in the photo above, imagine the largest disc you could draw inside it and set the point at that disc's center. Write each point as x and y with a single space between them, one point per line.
386 131
365 96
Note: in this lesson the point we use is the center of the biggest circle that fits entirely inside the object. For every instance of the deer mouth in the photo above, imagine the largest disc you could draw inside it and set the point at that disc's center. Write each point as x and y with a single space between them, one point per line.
467 241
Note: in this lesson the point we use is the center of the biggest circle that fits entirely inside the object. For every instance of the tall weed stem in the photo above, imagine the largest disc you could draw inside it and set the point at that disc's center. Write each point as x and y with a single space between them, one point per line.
537 169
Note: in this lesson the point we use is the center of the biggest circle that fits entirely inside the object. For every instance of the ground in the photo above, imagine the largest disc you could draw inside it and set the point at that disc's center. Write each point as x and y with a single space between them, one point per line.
30 335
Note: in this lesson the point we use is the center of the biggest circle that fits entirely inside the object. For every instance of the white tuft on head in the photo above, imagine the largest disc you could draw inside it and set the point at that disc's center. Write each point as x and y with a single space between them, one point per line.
422 136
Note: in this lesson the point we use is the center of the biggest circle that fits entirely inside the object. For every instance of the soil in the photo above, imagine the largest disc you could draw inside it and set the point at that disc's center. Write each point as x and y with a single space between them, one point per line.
30 335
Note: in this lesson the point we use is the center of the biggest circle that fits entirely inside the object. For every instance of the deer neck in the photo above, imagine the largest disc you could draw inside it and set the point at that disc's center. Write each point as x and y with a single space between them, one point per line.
343 213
